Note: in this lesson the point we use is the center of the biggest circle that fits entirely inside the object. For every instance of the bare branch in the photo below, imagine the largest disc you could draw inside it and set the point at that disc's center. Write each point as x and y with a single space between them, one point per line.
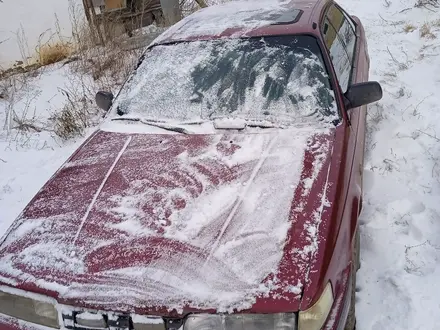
402 66
430 135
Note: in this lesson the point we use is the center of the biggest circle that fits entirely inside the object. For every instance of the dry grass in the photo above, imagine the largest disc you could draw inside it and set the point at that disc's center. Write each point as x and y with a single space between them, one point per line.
76 114
15 88
83 37
93 67
110 64
425 31
409 28
53 53
427 3
4 89
26 122
401 65
69 123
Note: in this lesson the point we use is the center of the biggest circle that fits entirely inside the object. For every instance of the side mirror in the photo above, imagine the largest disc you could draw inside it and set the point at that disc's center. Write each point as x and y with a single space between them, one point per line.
104 100
362 94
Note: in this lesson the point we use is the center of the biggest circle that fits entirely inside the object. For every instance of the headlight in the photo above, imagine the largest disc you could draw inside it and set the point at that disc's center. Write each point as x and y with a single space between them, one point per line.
285 321
315 316
29 310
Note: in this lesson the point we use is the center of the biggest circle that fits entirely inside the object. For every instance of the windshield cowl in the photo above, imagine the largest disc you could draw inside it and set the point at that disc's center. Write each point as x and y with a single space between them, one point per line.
214 126
241 123
218 124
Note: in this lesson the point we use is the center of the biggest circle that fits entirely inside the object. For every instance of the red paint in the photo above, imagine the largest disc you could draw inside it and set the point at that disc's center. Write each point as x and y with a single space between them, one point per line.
162 171
144 160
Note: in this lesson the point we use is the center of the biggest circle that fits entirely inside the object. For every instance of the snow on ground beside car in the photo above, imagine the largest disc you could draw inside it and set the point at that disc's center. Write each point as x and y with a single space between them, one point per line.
398 284
28 159
23 170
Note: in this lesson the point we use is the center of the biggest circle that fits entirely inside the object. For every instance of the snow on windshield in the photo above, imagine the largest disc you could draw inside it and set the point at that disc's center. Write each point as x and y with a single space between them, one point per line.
281 79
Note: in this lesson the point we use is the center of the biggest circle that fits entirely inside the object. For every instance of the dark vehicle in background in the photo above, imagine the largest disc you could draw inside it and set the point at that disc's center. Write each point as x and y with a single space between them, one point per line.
222 191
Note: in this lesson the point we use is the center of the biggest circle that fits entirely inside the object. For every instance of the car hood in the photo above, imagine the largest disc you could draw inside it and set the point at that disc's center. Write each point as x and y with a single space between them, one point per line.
171 223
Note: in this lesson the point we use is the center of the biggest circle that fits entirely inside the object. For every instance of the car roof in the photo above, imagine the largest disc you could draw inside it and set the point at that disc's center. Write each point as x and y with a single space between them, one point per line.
247 18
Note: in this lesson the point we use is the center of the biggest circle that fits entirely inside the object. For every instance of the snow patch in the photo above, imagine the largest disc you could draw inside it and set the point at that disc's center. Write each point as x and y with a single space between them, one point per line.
398 283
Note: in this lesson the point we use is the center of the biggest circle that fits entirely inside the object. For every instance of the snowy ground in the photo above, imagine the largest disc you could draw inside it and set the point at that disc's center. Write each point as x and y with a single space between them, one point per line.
28 159
398 284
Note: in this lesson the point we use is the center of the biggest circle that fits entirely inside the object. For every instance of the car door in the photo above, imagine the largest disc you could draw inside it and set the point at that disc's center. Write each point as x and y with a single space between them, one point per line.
339 35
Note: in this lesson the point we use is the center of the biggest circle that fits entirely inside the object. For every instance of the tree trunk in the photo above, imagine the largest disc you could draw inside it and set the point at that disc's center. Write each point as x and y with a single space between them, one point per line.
202 3
171 11
93 22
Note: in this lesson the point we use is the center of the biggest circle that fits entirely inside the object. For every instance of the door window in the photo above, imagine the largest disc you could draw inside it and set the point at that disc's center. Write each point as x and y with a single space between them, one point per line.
340 38
338 55
345 29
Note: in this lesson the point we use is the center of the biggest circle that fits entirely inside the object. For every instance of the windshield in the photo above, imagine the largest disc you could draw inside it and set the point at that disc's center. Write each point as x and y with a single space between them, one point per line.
281 79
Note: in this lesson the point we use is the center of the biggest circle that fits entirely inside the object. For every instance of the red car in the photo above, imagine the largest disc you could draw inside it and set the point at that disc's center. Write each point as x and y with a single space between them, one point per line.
222 191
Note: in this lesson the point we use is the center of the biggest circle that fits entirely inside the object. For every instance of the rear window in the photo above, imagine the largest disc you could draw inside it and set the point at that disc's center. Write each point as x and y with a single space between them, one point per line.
281 79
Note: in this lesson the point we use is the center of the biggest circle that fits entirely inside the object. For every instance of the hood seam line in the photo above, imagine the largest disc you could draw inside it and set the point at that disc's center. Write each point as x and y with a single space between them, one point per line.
98 191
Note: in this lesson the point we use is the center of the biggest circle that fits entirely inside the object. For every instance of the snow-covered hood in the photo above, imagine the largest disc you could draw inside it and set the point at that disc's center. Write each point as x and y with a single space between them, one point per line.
149 223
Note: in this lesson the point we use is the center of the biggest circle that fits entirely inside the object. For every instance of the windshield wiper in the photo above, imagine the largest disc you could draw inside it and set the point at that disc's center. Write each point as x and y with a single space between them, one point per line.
157 123
241 123
262 124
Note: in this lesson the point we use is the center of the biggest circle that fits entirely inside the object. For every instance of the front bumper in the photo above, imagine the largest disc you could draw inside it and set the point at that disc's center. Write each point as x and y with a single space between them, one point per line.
335 321
10 323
